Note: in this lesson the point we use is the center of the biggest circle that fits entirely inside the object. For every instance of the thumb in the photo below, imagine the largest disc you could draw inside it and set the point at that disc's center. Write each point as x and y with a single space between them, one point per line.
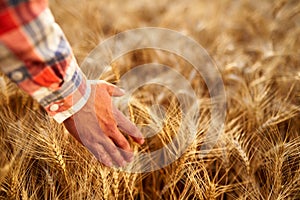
111 89
115 91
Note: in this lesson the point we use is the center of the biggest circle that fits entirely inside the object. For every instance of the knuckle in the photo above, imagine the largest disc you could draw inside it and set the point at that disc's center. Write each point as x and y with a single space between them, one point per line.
110 128
113 150
101 149
106 162
104 159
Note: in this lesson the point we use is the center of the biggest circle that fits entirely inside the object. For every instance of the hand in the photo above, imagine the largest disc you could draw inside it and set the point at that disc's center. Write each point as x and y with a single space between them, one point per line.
97 126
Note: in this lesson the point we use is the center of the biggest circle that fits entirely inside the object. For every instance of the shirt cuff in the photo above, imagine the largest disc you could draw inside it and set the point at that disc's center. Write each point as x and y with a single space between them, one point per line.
62 116
71 96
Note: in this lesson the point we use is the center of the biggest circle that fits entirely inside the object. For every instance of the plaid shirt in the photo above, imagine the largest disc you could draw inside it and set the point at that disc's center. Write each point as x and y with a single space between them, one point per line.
35 54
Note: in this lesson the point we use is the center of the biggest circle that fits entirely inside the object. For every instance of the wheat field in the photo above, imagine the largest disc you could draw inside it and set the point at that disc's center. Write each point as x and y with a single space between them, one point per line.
256 46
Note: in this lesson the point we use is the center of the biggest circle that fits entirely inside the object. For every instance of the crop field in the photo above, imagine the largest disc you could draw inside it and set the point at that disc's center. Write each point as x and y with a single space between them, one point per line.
256 46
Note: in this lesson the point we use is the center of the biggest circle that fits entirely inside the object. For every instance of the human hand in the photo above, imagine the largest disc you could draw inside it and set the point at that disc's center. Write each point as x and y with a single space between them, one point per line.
97 126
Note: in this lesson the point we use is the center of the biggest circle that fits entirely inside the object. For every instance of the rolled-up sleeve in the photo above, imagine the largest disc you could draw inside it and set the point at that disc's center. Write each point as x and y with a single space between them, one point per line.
35 54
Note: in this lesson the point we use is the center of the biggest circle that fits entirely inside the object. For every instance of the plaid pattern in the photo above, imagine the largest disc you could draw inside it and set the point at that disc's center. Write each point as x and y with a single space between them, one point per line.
35 54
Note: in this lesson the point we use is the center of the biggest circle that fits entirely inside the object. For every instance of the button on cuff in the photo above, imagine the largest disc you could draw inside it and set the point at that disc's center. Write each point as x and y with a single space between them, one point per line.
17 76
54 107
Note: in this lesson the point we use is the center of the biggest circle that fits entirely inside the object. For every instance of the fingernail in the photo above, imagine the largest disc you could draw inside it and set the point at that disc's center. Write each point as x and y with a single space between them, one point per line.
124 163
109 164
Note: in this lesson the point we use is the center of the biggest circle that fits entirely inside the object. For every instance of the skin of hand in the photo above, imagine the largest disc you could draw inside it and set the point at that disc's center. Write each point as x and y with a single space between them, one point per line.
98 126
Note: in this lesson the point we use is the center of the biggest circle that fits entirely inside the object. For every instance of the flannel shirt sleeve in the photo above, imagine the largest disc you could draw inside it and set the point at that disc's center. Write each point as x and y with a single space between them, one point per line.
35 54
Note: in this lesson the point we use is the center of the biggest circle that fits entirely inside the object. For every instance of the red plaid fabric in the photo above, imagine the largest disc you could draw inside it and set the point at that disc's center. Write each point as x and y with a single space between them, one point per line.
35 54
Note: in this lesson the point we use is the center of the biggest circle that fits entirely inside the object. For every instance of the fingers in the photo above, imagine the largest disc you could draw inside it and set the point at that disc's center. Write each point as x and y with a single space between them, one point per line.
117 154
111 89
127 126
123 146
99 152
104 149
108 153
118 138
99 143
114 142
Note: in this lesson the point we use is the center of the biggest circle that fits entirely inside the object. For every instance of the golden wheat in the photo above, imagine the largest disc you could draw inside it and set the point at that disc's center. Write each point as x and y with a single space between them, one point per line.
257 48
